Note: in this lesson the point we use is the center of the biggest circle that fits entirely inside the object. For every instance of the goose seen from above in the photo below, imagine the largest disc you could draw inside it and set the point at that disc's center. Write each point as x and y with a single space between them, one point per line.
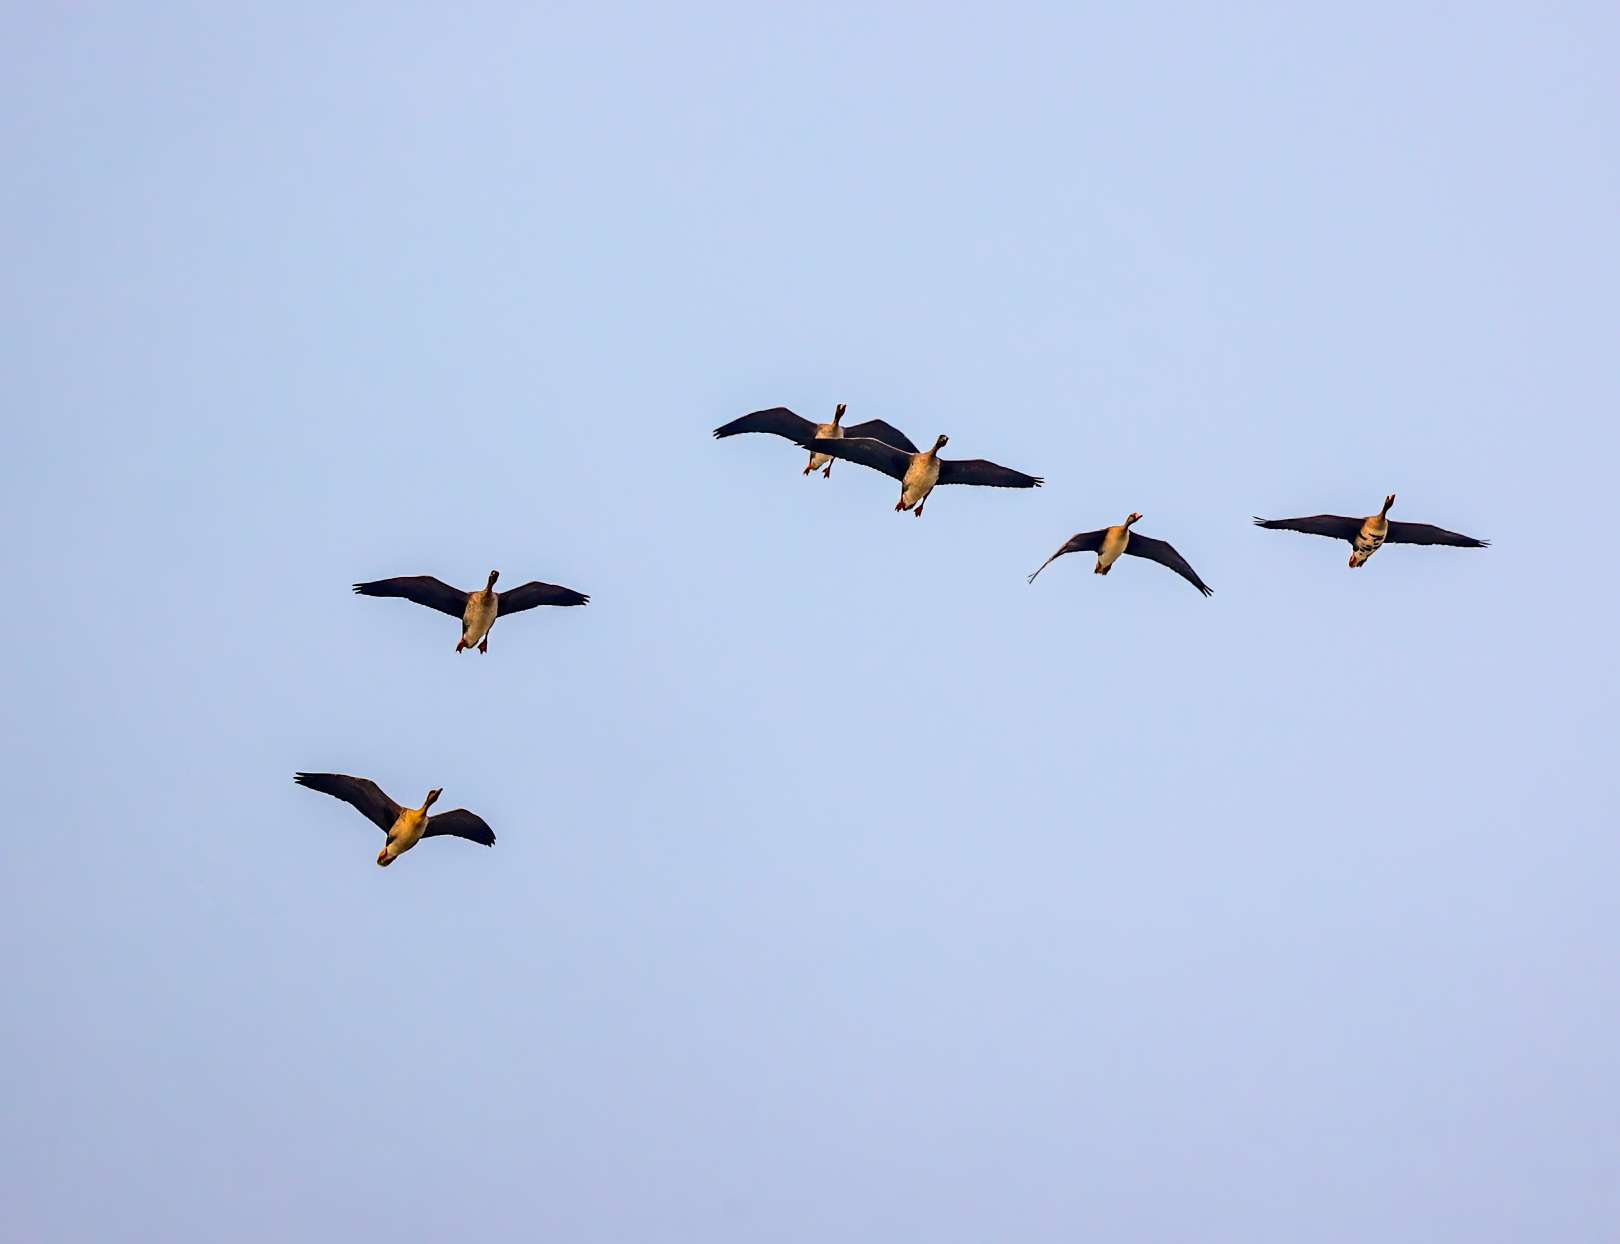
1368 535
478 610
1112 543
780 421
919 473
405 827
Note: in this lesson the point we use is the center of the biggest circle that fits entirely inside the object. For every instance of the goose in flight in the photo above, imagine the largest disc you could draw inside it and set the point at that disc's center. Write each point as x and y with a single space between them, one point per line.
405 827
476 611
1368 535
918 473
1112 543
780 421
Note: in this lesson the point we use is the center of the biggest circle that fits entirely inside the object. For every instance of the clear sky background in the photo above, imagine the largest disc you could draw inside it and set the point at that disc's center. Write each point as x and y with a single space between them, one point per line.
847 887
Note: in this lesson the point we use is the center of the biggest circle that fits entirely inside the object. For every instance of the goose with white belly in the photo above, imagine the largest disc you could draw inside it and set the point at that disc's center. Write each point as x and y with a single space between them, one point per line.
920 473
1368 535
477 611
405 827
1112 543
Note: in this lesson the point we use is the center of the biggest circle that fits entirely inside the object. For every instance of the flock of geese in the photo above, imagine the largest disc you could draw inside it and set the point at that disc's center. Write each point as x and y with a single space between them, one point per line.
874 444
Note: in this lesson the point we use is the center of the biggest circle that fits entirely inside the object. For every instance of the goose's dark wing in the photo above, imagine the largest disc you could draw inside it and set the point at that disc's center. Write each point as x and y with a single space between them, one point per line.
1335 526
978 471
778 421
877 430
424 589
868 452
460 823
363 793
1081 542
1427 533
1161 552
528 595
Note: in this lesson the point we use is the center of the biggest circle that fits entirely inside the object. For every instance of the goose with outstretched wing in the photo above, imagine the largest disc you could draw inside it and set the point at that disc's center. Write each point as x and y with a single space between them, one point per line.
478 610
1368 535
780 421
405 827
920 473
1112 543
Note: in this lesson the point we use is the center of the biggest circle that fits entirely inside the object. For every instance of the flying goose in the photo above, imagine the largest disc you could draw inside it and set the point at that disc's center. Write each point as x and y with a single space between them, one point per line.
405 827
918 473
1368 535
780 421
1111 543
476 610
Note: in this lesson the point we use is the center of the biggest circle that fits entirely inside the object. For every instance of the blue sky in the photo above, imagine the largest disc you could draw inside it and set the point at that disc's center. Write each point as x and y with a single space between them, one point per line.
847 887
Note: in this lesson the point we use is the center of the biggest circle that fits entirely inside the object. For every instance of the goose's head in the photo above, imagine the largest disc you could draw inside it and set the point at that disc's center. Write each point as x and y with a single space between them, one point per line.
1135 517
1388 502
838 415
432 798
940 442
493 575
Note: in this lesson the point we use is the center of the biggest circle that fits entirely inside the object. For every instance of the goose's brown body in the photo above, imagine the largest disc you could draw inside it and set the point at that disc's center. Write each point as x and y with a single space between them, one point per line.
922 476
406 831
1114 543
483 606
827 431
1367 541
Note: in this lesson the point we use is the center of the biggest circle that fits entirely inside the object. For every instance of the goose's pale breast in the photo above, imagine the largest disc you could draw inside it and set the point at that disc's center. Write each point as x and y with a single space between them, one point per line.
921 475
1114 545
479 616
827 432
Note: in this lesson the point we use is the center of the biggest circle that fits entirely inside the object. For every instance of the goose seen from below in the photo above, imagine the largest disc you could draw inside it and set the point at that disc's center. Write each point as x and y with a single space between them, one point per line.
405 827
1368 535
780 421
478 610
919 473
1112 543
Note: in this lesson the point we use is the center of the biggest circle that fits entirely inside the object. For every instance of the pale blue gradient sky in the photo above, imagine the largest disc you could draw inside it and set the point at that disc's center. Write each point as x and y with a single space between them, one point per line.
847 888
